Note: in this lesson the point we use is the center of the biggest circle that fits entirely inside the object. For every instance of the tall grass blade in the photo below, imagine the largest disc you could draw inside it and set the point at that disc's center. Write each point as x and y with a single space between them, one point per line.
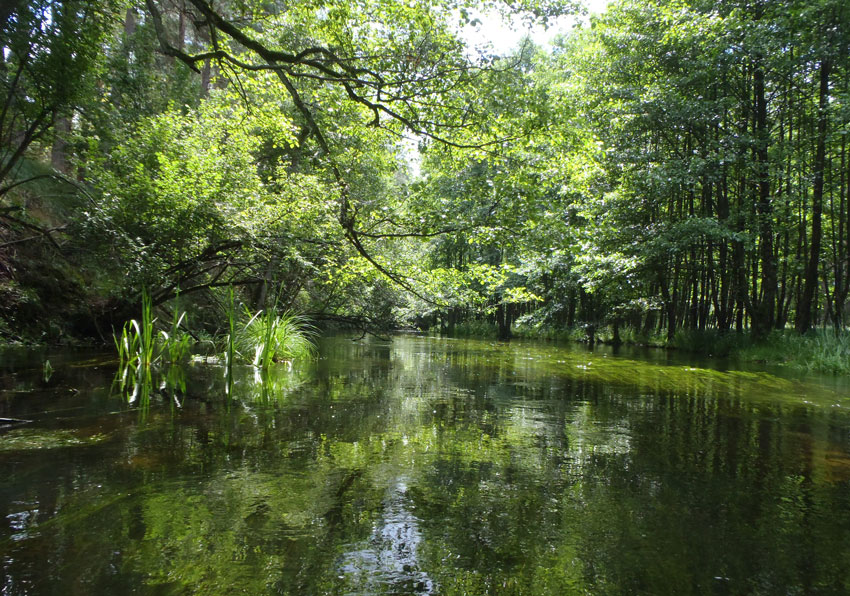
229 348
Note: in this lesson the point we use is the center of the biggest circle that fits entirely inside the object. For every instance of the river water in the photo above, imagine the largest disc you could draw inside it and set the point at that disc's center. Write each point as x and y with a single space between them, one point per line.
424 466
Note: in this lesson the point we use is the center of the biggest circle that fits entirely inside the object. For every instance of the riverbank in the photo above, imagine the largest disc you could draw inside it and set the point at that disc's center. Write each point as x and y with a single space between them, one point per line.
820 350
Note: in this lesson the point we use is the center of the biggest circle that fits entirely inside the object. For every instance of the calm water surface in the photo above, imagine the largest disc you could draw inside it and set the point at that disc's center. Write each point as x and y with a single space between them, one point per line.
425 466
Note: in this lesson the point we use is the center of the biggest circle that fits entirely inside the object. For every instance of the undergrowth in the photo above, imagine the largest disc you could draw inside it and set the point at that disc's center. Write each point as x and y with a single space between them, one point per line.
820 350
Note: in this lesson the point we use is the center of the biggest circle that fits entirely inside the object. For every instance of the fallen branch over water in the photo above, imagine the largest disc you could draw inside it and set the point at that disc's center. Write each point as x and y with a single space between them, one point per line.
4 422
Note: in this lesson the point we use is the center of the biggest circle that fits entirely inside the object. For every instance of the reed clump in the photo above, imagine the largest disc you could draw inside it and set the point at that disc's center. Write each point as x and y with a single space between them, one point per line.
135 345
139 346
260 339
268 337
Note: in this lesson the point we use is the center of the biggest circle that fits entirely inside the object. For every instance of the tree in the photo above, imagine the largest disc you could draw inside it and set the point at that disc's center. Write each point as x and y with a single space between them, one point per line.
414 77
52 50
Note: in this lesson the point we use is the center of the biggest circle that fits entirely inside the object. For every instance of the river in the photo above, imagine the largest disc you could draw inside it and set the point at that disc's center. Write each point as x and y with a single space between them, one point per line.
424 466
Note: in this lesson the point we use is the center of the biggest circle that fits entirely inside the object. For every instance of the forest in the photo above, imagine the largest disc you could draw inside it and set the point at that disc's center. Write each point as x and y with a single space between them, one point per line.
369 297
668 172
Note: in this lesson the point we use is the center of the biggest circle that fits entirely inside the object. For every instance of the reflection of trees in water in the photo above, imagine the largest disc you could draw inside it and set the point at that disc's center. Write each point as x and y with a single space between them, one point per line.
424 467
388 562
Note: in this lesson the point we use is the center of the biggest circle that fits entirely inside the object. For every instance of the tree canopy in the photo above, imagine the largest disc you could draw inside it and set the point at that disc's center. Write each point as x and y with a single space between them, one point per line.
667 166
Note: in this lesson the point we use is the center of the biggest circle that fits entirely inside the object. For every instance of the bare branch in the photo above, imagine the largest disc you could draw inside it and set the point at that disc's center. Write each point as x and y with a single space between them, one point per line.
44 233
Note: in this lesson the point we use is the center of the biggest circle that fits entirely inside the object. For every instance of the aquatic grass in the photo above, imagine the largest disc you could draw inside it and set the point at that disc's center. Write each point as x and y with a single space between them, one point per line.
139 349
138 385
548 333
673 378
145 331
127 345
829 351
175 344
631 335
135 384
139 345
270 337
142 389
31 439
477 328
135 345
229 349
820 350
173 383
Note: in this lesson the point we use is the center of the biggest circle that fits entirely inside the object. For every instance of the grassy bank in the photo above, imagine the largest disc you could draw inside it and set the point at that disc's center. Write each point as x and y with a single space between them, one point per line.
821 350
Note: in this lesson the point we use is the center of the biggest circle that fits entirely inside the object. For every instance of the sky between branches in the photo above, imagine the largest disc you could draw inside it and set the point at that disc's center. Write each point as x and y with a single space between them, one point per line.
503 36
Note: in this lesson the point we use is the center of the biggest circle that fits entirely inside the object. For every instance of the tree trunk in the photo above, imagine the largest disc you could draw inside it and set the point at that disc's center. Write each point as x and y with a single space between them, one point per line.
804 308
616 332
764 312
206 77
59 150
130 21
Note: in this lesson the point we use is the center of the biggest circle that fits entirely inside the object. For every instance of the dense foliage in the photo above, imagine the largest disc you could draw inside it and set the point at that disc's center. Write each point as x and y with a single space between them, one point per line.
670 167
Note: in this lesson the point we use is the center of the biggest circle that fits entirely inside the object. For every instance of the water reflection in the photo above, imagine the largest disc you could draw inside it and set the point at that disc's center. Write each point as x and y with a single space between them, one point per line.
388 561
426 466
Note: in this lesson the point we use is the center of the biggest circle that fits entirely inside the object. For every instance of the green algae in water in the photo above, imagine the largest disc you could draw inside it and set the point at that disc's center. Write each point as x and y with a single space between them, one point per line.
27 439
631 374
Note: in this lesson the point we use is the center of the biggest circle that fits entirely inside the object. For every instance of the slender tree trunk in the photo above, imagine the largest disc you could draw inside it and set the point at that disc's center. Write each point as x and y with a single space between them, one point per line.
59 150
724 306
206 77
671 300
181 27
804 308
842 275
130 21
765 308
740 284
571 310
